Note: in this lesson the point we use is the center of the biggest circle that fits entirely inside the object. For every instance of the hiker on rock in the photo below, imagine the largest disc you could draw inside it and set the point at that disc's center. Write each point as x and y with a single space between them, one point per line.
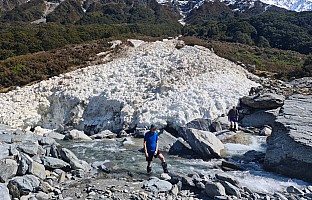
233 118
151 149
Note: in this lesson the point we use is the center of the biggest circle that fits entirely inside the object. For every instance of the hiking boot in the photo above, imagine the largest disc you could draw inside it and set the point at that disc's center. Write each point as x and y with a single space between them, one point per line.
164 166
149 169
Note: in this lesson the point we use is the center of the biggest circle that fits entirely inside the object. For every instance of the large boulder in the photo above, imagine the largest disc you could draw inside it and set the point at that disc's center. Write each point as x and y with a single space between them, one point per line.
78 135
166 141
31 148
37 169
54 163
4 192
214 189
289 148
181 148
204 143
265 101
260 118
8 169
156 185
72 159
24 185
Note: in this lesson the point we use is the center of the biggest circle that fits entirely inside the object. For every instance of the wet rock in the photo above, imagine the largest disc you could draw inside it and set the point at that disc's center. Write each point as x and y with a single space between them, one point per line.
72 159
289 148
229 166
188 181
4 192
295 190
225 135
127 142
54 151
54 163
37 169
231 189
8 169
104 134
122 134
139 132
166 141
253 156
78 135
227 178
260 118
24 184
265 101
204 143
31 148
214 189
266 131
181 148
107 166
165 176
156 185
54 135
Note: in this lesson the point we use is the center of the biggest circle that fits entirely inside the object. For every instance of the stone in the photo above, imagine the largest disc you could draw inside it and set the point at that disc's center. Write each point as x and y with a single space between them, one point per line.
104 134
78 135
229 166
43 196
199 124
4 150
266 131
181 148
204 143
175 190
54 135
214 189
31 148
122 134
25 184
37 169
54 163
46 141
231 189
107 166
215 126
260 118
8 169
165 141
156 185
289 149
54 151
227 178
165 176
23 164
264 101
72 159
4 192
295 190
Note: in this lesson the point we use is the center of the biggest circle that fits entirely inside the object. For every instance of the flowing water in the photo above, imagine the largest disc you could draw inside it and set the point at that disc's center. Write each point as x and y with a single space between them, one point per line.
128 158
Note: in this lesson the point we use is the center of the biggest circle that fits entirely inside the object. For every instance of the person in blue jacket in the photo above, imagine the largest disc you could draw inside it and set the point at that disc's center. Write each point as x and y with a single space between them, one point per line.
151 149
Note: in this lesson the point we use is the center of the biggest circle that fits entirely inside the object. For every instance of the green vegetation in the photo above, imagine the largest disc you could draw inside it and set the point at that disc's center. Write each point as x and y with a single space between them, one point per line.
281 30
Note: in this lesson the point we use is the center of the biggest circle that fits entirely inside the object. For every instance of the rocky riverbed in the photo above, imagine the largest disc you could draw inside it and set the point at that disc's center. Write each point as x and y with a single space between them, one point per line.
79 135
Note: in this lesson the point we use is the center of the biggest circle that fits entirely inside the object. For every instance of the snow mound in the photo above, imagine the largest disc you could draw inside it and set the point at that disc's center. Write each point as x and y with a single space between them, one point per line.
149 83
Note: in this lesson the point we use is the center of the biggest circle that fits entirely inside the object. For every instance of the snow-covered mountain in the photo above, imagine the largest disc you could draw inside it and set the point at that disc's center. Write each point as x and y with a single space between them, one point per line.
295 5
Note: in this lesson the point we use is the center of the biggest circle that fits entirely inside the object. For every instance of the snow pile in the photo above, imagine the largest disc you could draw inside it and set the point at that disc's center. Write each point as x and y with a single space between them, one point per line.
150 83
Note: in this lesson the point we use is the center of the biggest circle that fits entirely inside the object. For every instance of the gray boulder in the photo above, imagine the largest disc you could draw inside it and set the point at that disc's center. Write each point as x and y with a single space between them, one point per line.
54 135
78 135
230 189
266 131
156 185
104 134
8 169
23 164
166 141
24 185
46 141
4 150
54 163
4 192
213 189
260 118
227 178
204 143
31 148
37 169
72 159
181 148
289 148
215 126
265 101
200 124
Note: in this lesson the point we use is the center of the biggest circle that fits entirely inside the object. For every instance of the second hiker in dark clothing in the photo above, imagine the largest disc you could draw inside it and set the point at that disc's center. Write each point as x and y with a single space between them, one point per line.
233 118
151 149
